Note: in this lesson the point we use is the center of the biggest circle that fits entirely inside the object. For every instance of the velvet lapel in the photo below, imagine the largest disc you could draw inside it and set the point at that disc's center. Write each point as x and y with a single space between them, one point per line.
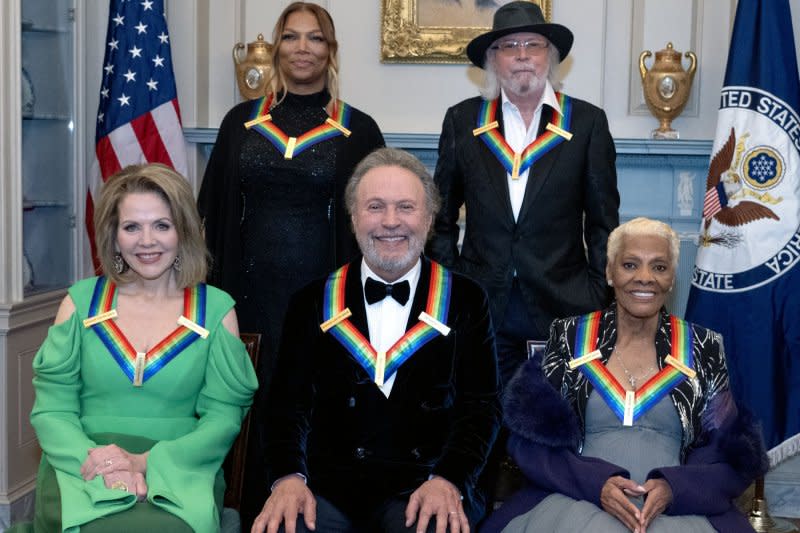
354 299
417 306
540 171
493 170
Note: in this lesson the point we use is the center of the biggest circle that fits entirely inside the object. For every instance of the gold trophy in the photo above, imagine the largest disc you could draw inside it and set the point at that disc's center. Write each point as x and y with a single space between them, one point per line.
666 87
252 72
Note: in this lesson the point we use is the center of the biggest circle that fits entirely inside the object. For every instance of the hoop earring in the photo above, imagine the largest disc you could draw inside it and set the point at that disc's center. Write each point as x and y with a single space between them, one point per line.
119 263
177 264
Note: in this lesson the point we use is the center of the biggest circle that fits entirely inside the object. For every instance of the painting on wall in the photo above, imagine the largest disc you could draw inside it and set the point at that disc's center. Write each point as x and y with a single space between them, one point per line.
436 31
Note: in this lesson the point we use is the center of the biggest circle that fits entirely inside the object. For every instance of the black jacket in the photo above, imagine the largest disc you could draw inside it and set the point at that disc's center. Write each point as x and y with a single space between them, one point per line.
571 199
328 420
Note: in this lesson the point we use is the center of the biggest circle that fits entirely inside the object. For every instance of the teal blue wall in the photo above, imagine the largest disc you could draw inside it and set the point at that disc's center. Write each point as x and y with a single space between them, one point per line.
657 179
664 180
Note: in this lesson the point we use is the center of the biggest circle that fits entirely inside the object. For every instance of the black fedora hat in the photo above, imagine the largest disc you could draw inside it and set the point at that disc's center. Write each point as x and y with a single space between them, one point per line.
516 17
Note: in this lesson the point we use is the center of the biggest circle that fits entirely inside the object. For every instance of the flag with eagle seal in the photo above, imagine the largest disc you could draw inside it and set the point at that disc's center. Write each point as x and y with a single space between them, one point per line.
746 280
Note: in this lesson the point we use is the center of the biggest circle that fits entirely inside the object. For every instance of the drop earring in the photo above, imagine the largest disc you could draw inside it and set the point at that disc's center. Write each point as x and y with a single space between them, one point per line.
119 263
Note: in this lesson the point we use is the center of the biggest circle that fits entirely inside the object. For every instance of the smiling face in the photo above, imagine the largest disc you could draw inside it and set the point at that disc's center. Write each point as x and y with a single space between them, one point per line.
146 235
303 53
391 220
521 72
642 274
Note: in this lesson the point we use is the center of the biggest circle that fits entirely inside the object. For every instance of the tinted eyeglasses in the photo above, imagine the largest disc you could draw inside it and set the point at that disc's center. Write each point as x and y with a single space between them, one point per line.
530 47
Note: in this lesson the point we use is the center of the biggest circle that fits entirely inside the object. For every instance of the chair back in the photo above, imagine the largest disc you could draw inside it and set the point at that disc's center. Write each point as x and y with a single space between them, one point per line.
235 463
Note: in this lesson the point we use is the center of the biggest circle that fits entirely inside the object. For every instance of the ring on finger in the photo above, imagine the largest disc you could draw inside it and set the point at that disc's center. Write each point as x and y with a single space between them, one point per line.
109 462
119 485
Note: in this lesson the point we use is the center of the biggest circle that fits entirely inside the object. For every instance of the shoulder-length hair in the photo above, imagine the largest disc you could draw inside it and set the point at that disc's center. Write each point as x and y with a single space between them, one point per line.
490 89
175 190
277 79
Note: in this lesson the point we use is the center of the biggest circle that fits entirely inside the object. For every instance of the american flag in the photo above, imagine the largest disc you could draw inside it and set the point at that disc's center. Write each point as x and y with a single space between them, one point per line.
714 201
138 118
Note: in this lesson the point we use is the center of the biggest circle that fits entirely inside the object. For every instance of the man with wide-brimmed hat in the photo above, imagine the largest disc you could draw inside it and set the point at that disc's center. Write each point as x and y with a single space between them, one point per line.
535 170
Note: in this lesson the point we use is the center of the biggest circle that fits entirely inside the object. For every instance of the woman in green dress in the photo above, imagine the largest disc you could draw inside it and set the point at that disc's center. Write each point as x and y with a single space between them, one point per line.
142 382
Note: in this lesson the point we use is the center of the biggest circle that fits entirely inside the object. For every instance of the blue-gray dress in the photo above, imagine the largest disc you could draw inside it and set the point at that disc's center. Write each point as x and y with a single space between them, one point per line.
653 441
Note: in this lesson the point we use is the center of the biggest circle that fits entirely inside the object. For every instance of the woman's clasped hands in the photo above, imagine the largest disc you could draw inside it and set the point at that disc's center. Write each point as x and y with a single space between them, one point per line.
615 499
121 470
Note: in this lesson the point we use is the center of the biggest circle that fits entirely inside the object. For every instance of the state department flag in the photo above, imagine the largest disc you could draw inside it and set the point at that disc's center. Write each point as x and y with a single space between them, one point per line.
746 282
138 118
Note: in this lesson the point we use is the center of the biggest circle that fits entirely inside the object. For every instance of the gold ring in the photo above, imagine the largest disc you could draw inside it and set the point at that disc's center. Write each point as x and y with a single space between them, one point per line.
119 485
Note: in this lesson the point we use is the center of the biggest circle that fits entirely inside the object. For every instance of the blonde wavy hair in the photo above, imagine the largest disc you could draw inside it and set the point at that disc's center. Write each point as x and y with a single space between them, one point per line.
175 190
277 81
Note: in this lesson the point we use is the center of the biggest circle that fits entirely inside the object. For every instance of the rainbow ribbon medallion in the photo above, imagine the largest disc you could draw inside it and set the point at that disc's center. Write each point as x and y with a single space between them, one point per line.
139 367
516 163
381 366
335 125
629 406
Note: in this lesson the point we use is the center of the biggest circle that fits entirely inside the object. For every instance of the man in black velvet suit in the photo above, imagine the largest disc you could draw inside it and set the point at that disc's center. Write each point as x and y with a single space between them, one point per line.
384 403
535 170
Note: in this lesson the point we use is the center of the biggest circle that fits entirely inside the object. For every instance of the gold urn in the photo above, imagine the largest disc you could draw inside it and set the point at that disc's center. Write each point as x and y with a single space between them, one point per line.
666 87
252 70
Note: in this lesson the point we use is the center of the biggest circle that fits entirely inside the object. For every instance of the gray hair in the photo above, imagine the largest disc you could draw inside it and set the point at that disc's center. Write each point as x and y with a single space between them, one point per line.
393 157
491 83
642 226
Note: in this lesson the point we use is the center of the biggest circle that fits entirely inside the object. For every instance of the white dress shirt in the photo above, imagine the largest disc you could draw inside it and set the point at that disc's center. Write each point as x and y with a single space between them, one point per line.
387 319
519 137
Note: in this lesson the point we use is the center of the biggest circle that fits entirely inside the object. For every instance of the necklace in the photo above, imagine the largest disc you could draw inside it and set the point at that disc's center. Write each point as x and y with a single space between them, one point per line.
334 125
631 378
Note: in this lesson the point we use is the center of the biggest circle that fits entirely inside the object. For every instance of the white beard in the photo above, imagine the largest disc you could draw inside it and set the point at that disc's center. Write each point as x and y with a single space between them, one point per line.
522 86
395 265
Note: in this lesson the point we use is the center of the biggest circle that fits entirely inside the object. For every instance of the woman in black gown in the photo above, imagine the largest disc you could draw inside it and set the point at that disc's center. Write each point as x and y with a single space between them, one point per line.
271 197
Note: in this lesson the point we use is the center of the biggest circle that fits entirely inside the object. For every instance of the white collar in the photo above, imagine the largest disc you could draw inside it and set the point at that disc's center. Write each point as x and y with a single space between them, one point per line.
412 275
548 98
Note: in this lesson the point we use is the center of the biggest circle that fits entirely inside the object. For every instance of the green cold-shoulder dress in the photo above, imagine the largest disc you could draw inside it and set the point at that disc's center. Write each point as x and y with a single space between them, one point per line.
194 393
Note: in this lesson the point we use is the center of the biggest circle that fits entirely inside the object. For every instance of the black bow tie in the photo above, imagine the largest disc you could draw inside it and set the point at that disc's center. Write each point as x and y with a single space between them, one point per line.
375 291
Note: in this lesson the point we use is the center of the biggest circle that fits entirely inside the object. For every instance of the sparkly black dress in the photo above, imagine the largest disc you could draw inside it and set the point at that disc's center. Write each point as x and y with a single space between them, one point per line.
274 224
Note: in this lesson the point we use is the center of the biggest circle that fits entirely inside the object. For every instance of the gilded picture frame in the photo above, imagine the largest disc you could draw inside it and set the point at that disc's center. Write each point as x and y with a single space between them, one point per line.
435 31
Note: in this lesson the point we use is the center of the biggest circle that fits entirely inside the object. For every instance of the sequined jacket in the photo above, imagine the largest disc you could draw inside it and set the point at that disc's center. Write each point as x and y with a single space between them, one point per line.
221 204
545 411
690 397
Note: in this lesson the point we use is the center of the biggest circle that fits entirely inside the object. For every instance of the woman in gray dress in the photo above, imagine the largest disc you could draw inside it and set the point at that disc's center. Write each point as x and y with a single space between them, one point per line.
628 423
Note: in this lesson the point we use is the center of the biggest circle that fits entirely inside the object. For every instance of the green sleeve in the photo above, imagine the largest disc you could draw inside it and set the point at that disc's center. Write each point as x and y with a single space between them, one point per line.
56 419
180 471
